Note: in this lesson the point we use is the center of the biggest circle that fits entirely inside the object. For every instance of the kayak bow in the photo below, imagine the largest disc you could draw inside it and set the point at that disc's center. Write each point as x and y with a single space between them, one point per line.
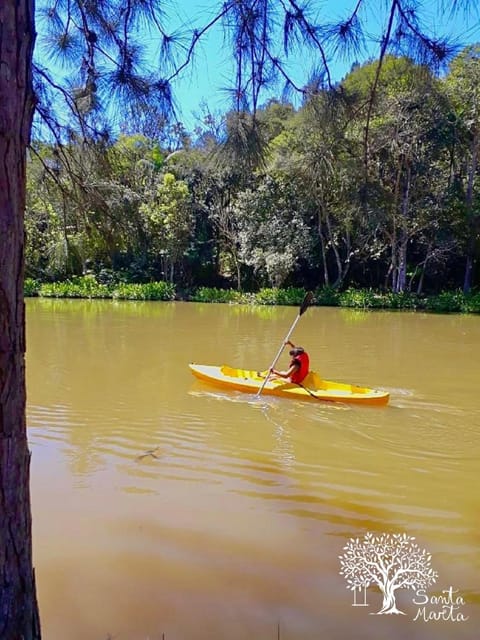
312 388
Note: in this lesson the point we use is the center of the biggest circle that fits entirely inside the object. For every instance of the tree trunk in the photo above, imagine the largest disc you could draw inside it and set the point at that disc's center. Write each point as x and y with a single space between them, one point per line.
472 217
18 605
389 604
238 271
393 268
336 253
402 264
326 277
403 243
423 269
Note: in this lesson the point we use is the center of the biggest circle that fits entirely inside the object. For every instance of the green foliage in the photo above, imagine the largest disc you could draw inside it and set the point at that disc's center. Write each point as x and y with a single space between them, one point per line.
401 300
397 75
169 221
31 287
76 287
471 303
158 208
89 287
275 117
272 231
213 294
369 299
446 302
360 299
327 297
267 296
147 291
275 296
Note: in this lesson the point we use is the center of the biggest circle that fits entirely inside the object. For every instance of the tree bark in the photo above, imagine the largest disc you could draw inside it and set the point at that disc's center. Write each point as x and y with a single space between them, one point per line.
403 241
18 605
326 277
472 217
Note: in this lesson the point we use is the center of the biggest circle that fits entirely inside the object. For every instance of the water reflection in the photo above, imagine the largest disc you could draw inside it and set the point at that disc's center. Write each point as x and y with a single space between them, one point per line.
163 505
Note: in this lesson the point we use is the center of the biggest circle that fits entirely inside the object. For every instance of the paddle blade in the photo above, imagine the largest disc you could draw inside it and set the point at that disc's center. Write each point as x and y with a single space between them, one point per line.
307 301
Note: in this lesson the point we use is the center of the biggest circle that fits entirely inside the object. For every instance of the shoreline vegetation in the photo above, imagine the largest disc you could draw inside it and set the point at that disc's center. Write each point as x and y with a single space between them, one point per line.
89 287
281 196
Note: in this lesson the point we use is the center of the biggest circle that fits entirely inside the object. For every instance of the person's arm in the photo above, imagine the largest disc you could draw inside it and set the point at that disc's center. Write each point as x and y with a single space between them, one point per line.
286 374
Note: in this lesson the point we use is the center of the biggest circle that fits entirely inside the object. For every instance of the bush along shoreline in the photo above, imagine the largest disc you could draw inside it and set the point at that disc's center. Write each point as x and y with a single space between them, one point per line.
88 287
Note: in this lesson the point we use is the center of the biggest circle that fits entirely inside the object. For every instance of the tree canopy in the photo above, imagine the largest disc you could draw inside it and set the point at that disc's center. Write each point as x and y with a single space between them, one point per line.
279 197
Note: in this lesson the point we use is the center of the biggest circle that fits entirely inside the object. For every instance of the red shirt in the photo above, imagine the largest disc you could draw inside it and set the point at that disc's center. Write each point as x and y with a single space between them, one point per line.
300 374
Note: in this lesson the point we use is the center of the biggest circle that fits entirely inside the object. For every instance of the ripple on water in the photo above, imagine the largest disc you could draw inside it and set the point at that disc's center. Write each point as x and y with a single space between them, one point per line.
329 463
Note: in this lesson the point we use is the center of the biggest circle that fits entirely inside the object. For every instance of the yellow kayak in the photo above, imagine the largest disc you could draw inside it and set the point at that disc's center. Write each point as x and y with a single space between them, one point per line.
312 388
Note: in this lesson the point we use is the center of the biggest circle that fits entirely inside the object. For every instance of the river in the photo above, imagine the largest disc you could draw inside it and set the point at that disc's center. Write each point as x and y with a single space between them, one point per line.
165 508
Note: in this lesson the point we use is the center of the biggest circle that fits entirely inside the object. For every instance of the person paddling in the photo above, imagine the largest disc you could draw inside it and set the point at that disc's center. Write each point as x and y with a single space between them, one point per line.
299 365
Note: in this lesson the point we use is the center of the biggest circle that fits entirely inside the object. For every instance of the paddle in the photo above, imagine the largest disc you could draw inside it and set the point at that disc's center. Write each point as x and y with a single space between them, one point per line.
304 306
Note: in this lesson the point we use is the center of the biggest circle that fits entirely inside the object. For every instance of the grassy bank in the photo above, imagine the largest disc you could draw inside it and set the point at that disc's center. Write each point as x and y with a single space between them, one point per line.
88 287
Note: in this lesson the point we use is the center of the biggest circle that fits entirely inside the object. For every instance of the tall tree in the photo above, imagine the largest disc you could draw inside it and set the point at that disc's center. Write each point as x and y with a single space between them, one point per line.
400 149
463 85
314 149
169 221
19 611
273 235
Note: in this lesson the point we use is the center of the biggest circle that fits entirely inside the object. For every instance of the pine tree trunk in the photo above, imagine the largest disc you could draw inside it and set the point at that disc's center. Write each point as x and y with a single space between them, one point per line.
18 605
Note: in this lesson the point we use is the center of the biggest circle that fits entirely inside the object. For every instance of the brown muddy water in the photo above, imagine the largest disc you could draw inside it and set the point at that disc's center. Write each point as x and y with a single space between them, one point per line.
164 508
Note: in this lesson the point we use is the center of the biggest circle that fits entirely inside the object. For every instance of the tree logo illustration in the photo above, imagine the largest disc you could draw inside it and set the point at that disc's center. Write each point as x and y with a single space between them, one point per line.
390 561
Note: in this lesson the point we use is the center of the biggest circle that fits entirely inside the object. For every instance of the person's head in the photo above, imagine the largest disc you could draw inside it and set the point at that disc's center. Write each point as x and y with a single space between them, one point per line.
296 351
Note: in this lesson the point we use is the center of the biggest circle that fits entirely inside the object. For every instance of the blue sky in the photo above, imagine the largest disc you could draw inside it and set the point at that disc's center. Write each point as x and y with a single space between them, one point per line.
205 81
212 71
